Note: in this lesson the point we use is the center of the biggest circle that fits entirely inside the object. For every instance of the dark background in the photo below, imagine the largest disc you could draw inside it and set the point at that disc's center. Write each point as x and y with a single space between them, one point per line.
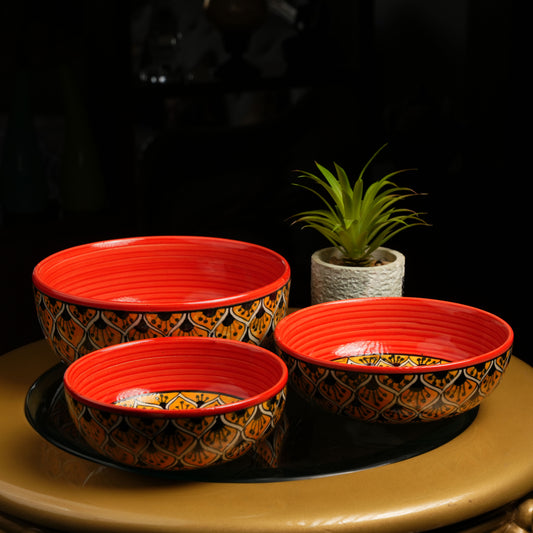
142 118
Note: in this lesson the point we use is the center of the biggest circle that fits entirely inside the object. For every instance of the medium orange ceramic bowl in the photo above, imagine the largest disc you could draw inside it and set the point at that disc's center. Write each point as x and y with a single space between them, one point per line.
394 359
176 403
105 293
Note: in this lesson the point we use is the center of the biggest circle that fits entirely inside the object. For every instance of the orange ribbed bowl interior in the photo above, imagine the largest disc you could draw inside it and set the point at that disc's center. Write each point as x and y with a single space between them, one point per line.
247 373
452 333
161 273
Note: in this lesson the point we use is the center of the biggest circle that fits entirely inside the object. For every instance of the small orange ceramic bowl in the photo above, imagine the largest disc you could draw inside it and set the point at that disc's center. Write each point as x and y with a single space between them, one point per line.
105 293
176 403
394 360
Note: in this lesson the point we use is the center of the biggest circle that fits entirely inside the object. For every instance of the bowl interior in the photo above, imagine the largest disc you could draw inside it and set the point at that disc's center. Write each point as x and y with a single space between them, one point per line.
196 375
393 332
161 273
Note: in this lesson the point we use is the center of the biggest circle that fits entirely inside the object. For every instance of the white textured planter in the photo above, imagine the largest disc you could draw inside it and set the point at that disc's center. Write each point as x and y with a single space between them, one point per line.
335 282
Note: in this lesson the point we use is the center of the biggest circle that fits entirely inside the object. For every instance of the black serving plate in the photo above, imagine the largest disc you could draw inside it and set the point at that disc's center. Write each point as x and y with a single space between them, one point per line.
307 443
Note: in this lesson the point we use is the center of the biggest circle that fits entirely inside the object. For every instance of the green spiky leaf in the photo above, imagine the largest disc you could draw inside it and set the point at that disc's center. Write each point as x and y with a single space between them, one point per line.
355 220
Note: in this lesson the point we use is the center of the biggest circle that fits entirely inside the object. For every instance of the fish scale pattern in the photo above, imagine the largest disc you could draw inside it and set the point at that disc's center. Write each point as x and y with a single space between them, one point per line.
183 443
396 398
74 331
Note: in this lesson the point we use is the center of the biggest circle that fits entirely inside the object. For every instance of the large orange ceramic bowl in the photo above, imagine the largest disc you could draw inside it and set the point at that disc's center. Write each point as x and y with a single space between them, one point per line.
176 403
394 360
105 293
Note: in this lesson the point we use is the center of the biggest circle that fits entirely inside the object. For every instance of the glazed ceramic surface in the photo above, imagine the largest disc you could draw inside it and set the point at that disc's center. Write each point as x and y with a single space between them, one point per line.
105 293
394 360
176 403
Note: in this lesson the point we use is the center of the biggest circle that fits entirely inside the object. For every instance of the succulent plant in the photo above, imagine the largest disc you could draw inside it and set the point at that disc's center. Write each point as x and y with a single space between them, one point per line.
357 220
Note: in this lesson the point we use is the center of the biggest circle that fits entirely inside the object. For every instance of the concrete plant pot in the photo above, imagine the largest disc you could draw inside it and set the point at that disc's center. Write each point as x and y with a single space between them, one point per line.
331 281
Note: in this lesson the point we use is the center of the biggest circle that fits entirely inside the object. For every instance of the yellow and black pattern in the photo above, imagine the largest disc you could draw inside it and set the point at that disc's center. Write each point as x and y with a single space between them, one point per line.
267 452
74 331
172 401
394 360
176 443
397 398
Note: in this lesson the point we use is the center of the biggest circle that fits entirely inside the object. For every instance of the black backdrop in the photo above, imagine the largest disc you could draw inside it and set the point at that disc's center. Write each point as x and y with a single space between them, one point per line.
445 83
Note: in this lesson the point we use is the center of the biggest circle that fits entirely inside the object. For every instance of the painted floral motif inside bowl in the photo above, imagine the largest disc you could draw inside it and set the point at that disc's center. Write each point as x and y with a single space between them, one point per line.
176 400
394 360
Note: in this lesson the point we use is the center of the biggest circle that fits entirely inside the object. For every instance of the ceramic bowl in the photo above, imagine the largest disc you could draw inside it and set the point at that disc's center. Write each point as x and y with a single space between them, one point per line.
394 359
105 293
176 403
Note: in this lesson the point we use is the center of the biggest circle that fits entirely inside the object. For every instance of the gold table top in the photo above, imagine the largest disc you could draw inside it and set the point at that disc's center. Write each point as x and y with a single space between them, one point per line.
487 466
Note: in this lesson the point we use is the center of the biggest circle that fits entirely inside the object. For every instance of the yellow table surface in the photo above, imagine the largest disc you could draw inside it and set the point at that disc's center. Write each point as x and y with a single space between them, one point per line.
485 467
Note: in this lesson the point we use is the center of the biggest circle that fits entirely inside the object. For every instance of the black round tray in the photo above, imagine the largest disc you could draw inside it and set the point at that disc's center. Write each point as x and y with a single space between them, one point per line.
308 442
